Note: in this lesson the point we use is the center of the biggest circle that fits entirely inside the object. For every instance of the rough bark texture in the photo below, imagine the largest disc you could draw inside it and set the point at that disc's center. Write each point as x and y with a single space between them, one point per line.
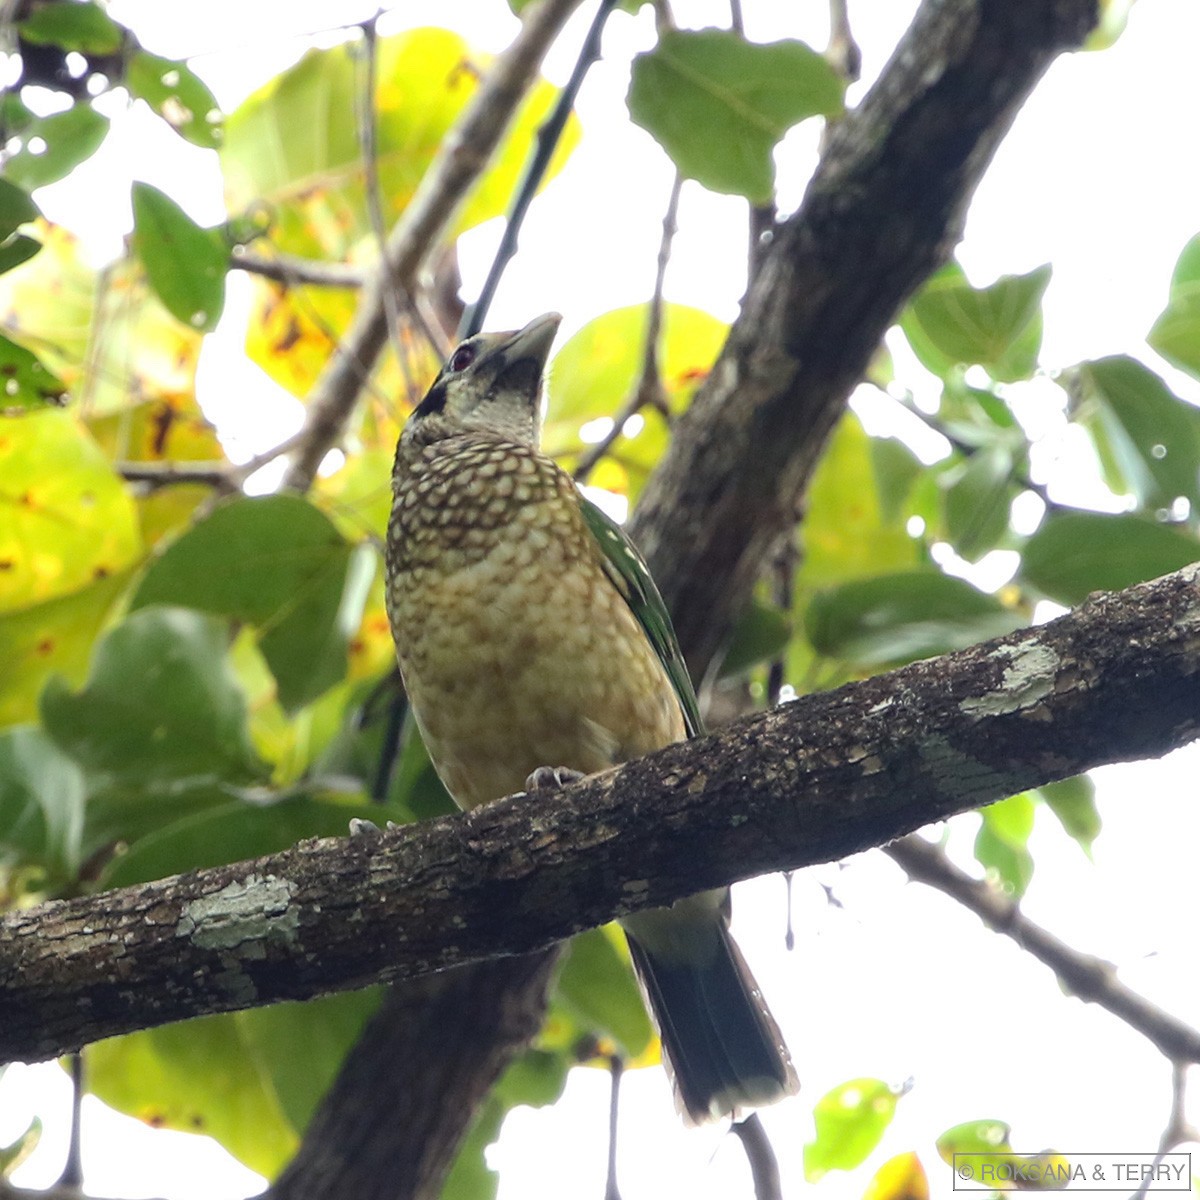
477 1016
885 208
808 782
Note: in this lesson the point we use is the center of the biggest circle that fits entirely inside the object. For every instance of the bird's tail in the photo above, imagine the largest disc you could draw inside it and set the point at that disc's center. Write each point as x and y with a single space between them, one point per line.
721 1046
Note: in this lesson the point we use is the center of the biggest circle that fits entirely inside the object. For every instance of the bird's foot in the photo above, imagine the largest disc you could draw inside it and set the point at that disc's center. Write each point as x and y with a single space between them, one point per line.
361 827
546 779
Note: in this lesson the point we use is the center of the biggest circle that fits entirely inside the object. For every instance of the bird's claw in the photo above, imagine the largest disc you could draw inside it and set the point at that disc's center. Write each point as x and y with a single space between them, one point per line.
546 779
362 827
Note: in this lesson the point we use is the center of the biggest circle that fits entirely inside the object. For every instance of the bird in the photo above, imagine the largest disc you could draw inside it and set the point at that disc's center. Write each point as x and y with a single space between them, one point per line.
535 648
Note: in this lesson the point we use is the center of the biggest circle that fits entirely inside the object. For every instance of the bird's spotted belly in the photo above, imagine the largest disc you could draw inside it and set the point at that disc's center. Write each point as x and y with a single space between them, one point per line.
525 659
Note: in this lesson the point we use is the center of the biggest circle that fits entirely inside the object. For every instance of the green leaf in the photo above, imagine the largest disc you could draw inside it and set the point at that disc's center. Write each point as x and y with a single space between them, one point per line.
949 323
73 26
759 635
978 497
17 249
326 1028
15 1153
1176 333
16 207
1073 802
280 564
27 382
1076 553
597 987
1001 846
68 520
899 618
198 1076
975 1137
178 95
900 1178
234 831
1146 436
41 805
185 264
849 1122
896 470
52 147
51 638
160 705
718 104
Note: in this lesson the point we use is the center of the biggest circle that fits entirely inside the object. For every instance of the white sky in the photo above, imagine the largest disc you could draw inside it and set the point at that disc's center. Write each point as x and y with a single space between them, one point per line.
1099 176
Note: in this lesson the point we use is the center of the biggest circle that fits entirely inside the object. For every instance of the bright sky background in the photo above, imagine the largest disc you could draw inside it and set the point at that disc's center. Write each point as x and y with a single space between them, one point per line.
1099 176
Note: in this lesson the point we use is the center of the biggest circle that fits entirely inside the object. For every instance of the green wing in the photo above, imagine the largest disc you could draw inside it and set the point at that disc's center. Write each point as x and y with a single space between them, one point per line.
631 577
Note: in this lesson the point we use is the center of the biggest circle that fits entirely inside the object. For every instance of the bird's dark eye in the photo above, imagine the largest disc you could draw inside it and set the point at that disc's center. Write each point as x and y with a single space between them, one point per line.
463 357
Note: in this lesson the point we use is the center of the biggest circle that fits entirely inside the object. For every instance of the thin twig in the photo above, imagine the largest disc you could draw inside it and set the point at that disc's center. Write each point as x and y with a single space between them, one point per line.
548 137
72 1172
225 477
842 52
616 1067
291 270
648 390
463 155
1083 975
1177 1131
764 1169
368 138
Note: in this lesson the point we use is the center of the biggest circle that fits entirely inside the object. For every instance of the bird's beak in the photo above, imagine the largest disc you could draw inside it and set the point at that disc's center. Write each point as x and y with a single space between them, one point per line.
532 344
521 359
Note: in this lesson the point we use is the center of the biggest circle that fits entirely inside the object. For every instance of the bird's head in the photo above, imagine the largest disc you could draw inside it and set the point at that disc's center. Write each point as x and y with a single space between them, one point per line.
491 383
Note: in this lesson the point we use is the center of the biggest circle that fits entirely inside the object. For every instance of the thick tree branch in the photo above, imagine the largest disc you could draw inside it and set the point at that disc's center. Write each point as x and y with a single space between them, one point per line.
483 1013
808 782
461 159
884 209
1083 975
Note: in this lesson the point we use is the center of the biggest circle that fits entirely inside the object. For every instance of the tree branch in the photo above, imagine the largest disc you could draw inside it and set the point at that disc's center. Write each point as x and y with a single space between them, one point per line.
884 209
1083 975
461 159
811 781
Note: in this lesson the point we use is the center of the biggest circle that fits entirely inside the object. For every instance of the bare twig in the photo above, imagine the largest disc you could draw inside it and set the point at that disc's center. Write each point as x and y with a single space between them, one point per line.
764 1169
462 157
548 137
616 1067
648 390
842 52
1177 1131
290 270
1083 975
224 477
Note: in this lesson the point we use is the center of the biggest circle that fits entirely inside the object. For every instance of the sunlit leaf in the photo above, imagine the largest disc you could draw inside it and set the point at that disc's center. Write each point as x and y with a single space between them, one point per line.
1073 802
1074 553
53 146
897 618
597 986
54 637
950 323
849 1122
900 1178
178 95
1114 16
185 264
1176 333
160 705
1148 439
66 520
594 373
54 304
279 563
197 1076
1001 845
718 104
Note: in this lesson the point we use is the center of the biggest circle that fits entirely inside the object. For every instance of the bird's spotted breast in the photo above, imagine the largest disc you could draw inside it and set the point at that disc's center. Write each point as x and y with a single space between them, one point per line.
516 649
